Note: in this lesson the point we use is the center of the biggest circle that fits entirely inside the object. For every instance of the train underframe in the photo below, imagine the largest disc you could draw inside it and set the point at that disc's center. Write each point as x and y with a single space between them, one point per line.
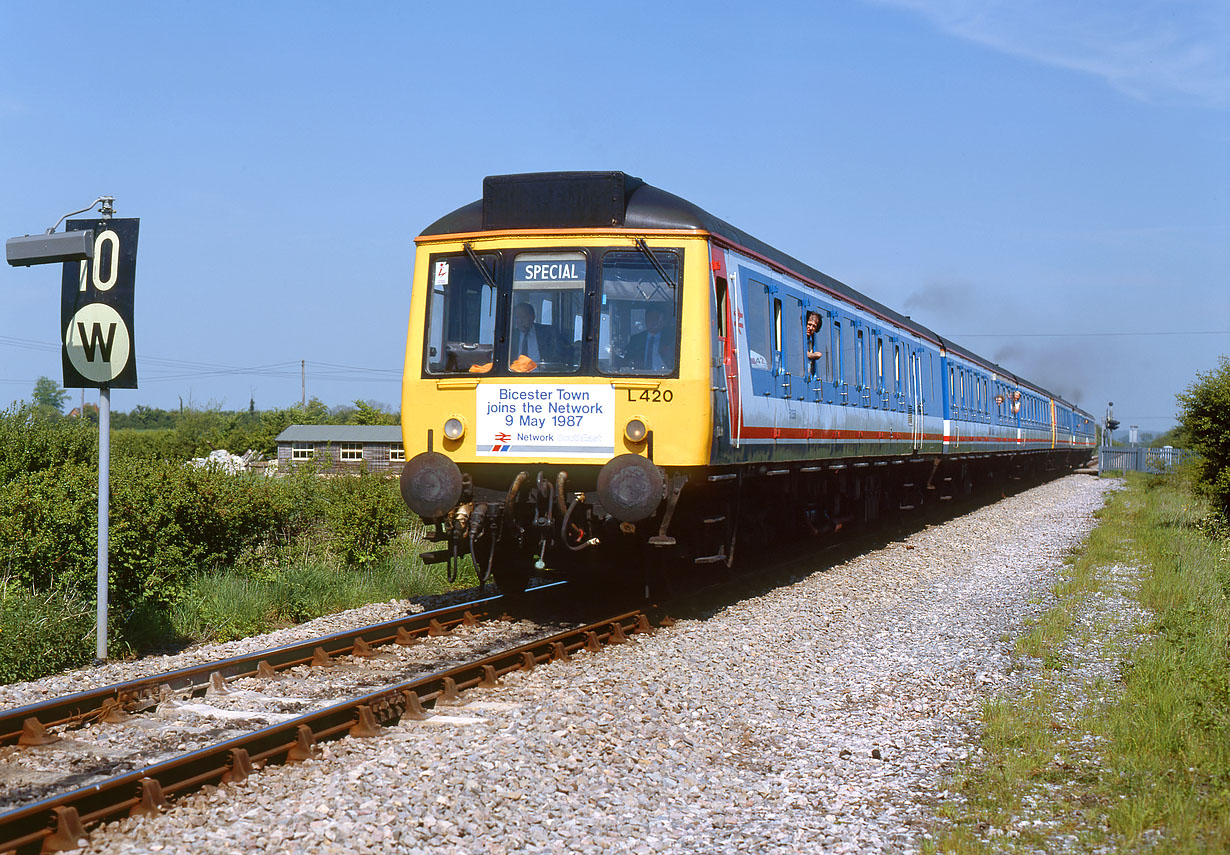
630 521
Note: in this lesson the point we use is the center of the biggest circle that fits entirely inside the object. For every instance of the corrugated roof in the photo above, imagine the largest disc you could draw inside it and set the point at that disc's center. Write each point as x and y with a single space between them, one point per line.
341 433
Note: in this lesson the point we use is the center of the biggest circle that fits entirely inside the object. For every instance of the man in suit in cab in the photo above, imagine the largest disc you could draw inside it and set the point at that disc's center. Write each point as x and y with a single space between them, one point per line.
537 342
653 348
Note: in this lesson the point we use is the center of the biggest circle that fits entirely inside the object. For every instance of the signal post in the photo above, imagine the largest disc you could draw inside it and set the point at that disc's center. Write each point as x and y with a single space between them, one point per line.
99 258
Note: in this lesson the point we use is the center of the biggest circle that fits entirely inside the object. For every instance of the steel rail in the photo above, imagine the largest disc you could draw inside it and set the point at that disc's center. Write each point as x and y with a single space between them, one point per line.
60 822
26 725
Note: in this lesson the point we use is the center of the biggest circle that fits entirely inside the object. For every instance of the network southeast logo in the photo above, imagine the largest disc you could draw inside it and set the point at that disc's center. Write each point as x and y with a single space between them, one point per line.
502 441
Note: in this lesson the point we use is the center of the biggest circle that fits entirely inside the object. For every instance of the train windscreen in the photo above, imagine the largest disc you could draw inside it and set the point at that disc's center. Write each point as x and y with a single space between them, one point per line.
553 312
460 315
638 322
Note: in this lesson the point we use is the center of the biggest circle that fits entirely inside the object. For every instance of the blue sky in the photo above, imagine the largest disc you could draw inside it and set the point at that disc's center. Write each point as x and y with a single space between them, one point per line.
1046 182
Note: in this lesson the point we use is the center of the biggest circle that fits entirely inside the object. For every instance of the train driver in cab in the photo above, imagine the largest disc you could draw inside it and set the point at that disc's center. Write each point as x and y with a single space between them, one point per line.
653 349
532 344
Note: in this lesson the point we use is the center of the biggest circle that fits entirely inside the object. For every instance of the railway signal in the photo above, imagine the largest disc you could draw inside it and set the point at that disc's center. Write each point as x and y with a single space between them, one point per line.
1111 424
96 331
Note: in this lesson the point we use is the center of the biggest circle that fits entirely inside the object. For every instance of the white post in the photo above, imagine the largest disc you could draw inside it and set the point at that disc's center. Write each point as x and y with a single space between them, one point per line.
104 491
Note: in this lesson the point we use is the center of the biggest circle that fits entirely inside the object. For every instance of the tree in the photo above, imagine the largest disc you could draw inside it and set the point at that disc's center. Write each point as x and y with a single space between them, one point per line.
372 413
48 396
1173 437
1205 418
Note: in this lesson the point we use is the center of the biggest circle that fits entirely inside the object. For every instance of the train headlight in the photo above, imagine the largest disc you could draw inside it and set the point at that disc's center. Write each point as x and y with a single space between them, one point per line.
454 428
636 430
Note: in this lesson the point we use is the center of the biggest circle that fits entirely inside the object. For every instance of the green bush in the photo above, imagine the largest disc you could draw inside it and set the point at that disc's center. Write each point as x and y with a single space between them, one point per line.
364 513
291 547
1205 418
170 520
49 527
33 442
167 521
156 444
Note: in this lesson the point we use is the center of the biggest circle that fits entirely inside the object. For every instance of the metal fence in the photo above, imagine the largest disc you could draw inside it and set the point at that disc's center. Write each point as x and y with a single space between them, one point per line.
1140 459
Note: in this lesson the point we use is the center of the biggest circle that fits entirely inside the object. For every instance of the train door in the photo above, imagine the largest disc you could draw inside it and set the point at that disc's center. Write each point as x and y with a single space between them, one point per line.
843 332
791 433
830 364
794 362
861 366
914 396
1016 416
956 387
880 394
724 373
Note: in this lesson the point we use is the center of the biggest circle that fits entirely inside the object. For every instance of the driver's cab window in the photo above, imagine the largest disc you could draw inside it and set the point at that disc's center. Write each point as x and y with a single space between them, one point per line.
545 325
638 319
460 316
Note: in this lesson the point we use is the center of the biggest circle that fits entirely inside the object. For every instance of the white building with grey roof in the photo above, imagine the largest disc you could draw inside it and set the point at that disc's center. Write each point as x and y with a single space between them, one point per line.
342 447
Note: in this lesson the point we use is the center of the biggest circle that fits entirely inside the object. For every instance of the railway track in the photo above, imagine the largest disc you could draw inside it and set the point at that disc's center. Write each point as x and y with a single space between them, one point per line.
28 725
59 820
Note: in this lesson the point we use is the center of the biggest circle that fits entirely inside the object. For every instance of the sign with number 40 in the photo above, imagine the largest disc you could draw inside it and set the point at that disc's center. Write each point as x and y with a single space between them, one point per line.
96 308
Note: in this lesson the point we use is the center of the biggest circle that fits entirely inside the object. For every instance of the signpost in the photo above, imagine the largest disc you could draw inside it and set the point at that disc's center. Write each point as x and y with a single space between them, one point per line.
96 332
96 323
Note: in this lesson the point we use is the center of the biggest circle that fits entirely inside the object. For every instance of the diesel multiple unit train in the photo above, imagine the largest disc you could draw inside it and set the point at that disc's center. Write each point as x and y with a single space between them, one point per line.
600 374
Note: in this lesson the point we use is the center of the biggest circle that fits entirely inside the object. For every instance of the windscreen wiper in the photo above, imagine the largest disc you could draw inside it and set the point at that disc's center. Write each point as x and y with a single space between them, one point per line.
487 277
653 259
482 268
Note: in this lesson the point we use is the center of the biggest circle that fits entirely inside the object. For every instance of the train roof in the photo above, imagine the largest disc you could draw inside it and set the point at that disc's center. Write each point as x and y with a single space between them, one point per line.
579 200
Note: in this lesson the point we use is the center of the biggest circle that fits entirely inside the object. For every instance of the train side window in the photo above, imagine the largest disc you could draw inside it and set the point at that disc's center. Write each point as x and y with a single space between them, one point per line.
835 372
756 317
720 298
794 341
813 344
778 367
849 369
860 359
931 374
897 366
879 364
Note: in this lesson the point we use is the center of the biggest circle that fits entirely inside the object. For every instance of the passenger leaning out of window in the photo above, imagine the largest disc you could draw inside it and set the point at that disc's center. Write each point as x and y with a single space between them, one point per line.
813 351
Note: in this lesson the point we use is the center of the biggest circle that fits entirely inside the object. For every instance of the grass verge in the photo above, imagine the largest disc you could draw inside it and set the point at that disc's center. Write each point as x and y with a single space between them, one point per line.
1120 738
225 605
44 633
